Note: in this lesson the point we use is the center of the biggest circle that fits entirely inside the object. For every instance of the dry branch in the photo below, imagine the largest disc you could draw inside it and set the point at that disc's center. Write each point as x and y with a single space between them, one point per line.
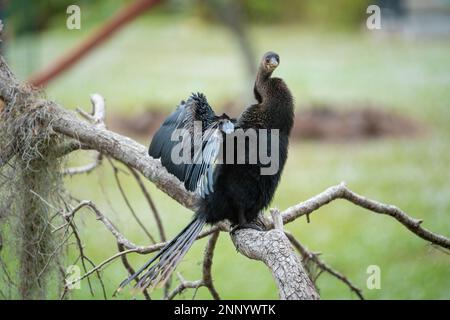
308 255
206 280
271 247
341 191
274 249
151 204
130 269
97 118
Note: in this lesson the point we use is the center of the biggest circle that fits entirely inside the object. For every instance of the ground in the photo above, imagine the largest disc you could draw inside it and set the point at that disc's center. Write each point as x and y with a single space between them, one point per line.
158 63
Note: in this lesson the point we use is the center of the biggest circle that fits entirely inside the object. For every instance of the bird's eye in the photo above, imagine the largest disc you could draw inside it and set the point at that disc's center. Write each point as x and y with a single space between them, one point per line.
267 60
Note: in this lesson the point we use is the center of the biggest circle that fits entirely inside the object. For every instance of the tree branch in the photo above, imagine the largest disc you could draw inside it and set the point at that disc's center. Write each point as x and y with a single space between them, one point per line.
97 118
342 192
274 249
130 269
271 247
308 255
206 280
151 204
207 265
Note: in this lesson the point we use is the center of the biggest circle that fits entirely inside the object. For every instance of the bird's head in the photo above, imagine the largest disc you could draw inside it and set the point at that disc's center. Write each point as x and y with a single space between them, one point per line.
270 61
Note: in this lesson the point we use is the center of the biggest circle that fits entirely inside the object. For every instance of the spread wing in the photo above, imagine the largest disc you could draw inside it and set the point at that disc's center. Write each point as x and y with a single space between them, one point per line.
195 130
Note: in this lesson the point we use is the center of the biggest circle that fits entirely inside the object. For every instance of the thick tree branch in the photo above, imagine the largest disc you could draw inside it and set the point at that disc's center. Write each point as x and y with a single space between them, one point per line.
122 149
274 249
271 247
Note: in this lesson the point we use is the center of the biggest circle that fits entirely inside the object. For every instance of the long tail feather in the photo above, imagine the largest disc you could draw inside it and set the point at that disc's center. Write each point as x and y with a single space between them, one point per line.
161 266
159 273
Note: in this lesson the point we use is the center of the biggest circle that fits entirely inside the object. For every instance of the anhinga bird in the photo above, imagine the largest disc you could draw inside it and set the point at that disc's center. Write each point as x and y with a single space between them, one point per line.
236 192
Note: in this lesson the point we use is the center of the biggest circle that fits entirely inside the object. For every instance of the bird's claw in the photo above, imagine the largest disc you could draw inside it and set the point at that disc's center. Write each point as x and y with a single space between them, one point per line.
257 225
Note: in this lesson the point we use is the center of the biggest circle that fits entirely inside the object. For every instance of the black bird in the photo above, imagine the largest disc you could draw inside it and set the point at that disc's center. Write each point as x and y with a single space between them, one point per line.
236 192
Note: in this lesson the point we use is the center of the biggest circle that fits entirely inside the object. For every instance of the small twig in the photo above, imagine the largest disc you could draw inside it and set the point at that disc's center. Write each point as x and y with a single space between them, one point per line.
53 254
183 286
130 269
150 202
98 119
100 279
100 266
277 219
80 250
108 224
156 215
308 255
88 168
70 223
65 288
207 265
127 202
120 238
206 280
98 115
342 192
84 114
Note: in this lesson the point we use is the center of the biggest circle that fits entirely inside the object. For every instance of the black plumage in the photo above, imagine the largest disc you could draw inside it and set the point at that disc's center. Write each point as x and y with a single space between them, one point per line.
237 192
197 173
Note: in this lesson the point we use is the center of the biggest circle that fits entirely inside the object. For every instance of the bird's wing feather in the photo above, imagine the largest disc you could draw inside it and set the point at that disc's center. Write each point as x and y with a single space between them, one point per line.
196 174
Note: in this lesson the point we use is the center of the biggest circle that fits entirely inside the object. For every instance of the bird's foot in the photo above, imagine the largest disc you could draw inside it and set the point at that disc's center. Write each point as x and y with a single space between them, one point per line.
258 224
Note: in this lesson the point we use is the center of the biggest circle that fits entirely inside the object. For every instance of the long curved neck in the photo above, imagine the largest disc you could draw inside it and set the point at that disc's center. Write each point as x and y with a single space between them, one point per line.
275 108
261 83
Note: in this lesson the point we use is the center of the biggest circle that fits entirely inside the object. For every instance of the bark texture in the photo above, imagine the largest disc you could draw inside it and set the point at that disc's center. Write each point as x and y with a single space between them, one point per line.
278 254
274 249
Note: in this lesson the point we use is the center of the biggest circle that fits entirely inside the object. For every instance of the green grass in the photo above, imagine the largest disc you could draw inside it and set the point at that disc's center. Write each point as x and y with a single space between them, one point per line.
157 63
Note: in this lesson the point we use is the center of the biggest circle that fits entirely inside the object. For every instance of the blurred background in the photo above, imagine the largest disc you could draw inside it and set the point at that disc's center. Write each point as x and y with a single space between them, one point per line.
372 109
